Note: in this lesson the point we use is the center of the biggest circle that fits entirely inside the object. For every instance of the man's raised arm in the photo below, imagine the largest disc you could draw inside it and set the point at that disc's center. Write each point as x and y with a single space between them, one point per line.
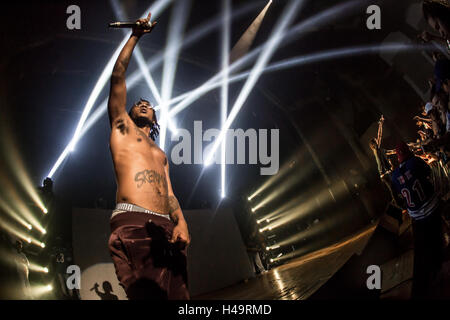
380 131
118 91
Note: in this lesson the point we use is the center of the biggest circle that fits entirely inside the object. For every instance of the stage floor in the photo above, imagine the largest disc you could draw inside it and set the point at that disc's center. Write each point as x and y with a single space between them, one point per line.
297 279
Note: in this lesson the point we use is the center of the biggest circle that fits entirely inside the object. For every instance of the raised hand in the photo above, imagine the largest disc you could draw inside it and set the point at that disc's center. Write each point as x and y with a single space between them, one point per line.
144 26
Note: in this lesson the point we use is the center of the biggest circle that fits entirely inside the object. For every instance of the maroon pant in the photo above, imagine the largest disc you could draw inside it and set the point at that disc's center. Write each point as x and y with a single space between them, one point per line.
147 265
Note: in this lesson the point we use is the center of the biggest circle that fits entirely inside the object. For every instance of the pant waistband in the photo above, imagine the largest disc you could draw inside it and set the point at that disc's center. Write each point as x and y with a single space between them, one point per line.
128 207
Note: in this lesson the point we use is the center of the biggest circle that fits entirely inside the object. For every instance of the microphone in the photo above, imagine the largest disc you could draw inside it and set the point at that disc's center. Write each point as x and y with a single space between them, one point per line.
129 25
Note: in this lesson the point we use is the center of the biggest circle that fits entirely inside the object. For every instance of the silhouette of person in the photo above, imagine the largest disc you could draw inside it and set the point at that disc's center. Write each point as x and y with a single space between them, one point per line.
22 266
255 245
60 267
107 288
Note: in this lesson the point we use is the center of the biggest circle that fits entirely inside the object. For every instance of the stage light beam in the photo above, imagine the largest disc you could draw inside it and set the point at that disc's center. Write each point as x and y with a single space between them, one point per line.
39 290
8 210
156 8
287 184
246 40
278 66
278 177
195 94
323 17
171 54
17 205
37 268
309 206
224 90
7 227
132 80
17 167
270 47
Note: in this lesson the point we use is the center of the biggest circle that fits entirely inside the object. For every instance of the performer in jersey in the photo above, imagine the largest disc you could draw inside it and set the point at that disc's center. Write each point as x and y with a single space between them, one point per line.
149 234
413 180
383 164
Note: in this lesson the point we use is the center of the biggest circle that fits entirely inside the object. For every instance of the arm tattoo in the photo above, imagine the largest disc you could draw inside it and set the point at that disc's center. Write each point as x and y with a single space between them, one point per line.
173 204
150 176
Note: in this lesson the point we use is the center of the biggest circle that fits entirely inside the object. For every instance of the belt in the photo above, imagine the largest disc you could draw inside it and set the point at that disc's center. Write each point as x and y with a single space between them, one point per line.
128 207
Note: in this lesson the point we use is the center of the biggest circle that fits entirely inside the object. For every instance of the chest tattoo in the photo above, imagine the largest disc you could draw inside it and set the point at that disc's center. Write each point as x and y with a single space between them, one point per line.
150 177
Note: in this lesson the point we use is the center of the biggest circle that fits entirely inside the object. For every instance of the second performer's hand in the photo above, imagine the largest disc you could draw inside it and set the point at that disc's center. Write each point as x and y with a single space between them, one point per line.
146 26
180 235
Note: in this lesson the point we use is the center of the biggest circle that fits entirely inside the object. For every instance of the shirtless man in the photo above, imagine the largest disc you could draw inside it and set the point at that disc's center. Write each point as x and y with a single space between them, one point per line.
149 234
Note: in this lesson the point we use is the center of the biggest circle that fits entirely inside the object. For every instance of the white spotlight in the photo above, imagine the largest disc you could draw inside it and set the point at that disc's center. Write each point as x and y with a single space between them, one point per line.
176 28
45 210
172 126
43 245
269 49
46 270
154 61
29 227
44 231
104 77
49 287
226 16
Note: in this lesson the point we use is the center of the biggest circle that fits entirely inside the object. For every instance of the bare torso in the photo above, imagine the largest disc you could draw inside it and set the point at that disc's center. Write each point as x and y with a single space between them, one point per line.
139 165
